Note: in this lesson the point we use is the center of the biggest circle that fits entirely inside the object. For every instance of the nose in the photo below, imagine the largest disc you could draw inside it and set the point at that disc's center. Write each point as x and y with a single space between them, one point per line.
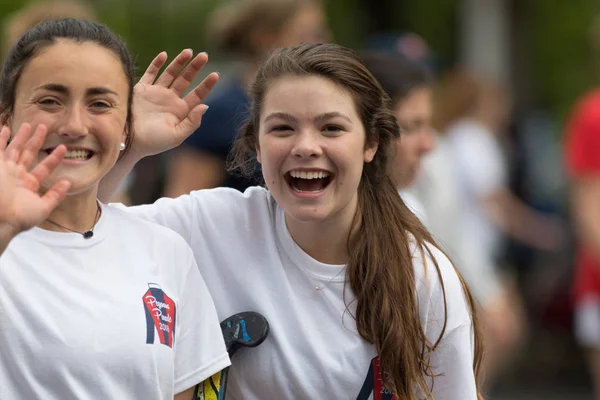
427 140
74 124
306 145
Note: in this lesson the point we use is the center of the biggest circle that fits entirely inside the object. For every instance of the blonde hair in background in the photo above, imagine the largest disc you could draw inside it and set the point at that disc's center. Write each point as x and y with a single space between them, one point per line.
235 24
17 23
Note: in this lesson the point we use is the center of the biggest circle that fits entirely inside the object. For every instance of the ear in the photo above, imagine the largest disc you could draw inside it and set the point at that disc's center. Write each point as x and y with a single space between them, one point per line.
370 151
125 134
258 155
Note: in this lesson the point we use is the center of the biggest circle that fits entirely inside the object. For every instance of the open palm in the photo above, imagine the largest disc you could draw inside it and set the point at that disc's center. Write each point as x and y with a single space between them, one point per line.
21 206
162 118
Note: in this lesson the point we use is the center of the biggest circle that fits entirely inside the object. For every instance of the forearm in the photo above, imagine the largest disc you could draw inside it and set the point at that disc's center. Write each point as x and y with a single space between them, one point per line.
111 181
515 218
187 395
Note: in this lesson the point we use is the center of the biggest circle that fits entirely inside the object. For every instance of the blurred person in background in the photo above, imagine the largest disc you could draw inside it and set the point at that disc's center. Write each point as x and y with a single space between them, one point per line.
409 86
582 153
246 30
471 115
14 25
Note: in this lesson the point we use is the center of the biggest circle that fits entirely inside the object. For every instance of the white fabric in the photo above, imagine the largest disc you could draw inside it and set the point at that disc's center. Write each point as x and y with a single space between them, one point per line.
587 322
481 170
442 197
250 262
73 321
414 204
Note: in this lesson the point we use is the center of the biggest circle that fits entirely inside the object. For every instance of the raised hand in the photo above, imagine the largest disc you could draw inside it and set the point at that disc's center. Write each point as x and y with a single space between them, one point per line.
21 206
162 119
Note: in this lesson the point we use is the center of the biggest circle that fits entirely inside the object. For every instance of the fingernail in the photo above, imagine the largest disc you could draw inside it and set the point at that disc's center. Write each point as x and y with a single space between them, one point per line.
205 110
218 73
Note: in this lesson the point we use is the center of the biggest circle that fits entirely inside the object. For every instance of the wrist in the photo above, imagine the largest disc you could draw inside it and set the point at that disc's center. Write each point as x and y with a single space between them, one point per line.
132 156
7 233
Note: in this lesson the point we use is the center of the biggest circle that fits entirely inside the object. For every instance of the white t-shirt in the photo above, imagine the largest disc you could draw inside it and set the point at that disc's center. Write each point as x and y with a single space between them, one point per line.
413 203
443 198
122 315
250 262
481 169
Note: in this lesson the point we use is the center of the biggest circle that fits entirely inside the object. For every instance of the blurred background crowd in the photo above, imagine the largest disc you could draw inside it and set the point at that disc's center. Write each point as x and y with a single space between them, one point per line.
500 154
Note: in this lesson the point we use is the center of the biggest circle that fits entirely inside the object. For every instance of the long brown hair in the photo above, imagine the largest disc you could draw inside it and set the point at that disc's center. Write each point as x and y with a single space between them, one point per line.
380 270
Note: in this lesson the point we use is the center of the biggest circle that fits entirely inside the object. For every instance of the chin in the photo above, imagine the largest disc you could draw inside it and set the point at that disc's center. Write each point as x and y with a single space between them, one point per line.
308 215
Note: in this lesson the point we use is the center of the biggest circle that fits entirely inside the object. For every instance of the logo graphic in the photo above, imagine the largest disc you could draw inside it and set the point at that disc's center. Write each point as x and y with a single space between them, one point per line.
160 315
373 388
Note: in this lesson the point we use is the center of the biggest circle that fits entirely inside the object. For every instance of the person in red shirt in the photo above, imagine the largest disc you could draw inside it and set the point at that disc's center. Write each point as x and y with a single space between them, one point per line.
582 151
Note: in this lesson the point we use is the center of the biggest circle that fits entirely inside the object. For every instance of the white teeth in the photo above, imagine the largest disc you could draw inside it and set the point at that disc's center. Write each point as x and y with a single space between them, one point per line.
307 191
78 155
309 175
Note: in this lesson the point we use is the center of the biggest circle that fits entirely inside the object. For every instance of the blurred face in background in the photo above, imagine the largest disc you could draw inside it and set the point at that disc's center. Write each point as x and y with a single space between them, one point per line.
416 134
307 26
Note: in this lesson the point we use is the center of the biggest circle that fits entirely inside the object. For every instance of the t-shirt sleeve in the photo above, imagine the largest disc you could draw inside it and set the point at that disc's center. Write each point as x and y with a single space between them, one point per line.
582 145
179 214
452 359
199 346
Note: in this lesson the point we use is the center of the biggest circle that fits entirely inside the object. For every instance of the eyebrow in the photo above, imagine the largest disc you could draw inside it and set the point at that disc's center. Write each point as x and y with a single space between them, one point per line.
55 87
318 118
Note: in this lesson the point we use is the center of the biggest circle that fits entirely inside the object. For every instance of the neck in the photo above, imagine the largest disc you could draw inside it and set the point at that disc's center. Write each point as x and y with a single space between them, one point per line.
77 212
325 241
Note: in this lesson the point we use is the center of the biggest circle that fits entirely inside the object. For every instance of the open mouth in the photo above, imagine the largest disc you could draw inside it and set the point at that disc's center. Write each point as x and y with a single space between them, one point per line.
312 182
75 155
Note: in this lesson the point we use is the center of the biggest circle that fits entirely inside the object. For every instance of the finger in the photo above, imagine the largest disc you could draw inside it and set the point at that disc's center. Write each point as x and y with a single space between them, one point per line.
155 66
33 146
192 121
200 92
49 163
189 73
4 136
16 145
174 68
56 194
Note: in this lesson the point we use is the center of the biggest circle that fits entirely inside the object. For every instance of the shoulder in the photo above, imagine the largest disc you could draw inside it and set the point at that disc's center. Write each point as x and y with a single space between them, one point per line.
585 113
440 291
588 103
231 199
226 204
148 232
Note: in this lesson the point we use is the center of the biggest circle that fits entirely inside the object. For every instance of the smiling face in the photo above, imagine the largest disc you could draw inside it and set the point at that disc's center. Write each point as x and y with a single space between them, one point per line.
414 117
80 92
311 145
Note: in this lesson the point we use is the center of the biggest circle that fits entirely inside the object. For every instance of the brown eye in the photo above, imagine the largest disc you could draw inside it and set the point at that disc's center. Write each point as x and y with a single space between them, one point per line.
48 102
100 104
282 128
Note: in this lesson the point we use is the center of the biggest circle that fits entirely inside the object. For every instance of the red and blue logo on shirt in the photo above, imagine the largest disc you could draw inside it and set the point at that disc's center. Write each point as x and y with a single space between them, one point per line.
373 387
160 315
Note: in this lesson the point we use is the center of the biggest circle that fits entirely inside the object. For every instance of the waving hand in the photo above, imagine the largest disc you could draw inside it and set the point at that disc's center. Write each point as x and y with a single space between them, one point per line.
21 206
162 118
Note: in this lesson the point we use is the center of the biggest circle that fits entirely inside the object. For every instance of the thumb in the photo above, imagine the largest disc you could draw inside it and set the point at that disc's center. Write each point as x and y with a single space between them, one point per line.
191 122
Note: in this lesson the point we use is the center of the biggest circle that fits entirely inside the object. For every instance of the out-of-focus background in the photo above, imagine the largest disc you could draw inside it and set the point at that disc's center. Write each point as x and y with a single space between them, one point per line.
542 53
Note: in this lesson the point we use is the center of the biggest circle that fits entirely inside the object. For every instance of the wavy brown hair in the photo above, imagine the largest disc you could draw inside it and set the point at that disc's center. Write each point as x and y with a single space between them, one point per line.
380 271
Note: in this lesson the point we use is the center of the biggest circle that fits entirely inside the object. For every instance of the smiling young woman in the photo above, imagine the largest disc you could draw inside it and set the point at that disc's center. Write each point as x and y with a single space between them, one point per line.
361 302
93 303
